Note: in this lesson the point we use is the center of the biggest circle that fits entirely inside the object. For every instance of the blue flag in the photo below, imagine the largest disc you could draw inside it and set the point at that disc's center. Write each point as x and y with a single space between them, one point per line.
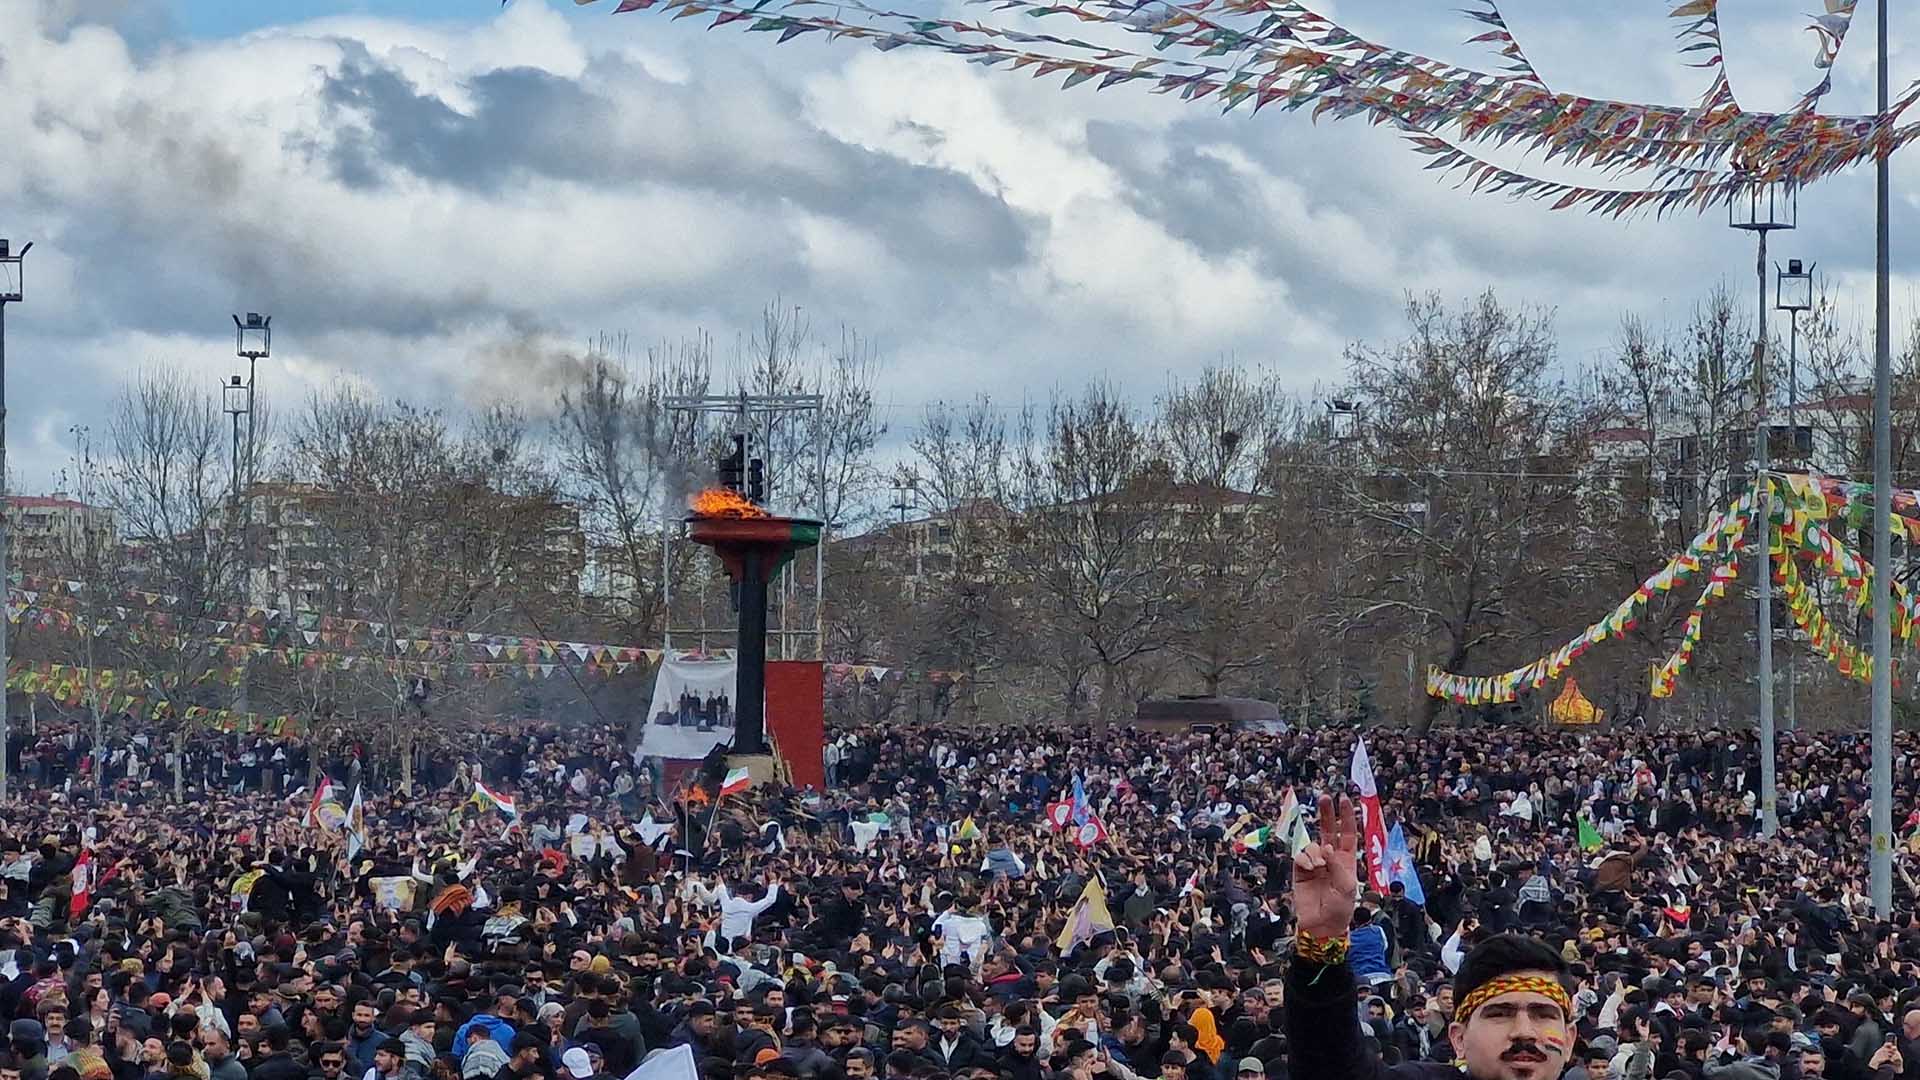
1082 812
1400 866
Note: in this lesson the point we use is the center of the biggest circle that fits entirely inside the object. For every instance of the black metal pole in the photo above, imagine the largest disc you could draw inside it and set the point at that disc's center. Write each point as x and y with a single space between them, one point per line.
750 678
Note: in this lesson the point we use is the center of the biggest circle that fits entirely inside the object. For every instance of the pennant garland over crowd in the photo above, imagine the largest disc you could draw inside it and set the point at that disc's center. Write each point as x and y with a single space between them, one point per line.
1260 53
1799 506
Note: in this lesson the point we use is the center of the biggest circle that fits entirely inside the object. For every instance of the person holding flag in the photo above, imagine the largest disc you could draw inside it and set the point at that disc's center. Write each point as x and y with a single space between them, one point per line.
356 825
1373 826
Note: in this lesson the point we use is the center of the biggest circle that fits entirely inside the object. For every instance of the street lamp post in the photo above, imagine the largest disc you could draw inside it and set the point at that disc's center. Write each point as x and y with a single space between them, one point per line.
12 285
234 396
1764 208
252 342
1793 294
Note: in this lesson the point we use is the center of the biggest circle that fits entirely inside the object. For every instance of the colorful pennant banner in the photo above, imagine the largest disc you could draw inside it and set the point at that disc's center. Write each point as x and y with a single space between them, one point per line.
1722 534
1278 52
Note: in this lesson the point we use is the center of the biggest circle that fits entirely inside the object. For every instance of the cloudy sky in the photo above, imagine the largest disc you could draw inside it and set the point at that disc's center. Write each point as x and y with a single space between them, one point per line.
442 199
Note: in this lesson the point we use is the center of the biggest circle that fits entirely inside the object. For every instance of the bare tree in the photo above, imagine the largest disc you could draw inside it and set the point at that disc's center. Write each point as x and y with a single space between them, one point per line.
168 476
428 534
1466 495
1094 541
1220 436
631 463
959 476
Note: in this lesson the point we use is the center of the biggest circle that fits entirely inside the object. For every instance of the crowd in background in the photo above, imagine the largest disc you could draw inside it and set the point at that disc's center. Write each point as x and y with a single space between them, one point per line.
921 919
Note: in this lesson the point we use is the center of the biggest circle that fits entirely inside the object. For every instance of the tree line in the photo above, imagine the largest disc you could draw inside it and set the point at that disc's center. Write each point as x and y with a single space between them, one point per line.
1460 495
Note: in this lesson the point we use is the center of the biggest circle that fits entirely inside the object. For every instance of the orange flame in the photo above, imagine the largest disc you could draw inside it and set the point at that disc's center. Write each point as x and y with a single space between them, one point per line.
725 502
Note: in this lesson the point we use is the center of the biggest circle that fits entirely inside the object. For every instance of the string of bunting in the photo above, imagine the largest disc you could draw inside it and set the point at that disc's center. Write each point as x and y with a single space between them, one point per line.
1805 610
1722 532
1284 54
1666 674
1799 506
240 653
1499 36
1830 29
132 693
338 631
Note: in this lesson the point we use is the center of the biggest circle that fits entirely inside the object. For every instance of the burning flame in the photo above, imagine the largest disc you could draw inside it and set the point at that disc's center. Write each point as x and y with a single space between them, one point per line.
725 502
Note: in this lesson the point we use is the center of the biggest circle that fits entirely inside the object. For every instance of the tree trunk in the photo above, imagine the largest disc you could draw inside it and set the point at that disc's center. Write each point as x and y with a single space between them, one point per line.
179 765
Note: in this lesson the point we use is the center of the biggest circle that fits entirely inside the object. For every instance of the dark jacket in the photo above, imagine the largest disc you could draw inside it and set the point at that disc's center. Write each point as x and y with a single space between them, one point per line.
1323 1031
280 1066
966 1053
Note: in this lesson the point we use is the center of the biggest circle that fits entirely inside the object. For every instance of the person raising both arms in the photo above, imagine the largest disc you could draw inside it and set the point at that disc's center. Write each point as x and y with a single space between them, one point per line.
1512 1020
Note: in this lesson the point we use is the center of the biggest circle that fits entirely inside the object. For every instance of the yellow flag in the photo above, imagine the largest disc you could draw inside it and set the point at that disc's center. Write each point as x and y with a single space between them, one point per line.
1088 917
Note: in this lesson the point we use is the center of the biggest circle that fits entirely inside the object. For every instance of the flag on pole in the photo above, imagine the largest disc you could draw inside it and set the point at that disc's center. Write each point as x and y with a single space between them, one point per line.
1292 827
736 781
82 885
1059 814
1373 824
1088 918
1590 838
1090 832
1254 839
499 800
1082 810
1400 866
356 825
968 830
1298 838
322 794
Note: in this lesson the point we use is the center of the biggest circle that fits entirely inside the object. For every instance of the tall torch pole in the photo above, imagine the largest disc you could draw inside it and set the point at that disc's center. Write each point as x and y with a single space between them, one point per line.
1882 853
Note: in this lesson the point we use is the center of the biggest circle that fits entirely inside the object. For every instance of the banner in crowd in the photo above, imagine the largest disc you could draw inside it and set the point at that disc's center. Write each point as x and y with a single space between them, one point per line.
1373 824
680 724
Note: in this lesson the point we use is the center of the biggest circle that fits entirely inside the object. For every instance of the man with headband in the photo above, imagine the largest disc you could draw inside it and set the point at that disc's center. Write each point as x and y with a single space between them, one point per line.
1512 1019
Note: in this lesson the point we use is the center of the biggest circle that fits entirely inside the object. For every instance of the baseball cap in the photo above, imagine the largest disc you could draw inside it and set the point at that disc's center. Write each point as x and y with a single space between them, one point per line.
1252 1065
577 1063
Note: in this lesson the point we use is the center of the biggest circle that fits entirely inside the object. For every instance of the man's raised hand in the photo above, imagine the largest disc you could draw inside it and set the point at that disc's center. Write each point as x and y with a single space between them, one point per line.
1325 884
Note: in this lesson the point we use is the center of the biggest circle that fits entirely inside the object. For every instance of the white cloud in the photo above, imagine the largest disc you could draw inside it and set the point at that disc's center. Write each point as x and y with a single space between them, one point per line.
424 206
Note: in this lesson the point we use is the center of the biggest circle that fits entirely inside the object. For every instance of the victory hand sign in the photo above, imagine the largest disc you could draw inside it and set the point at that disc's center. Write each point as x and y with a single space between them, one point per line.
1325 884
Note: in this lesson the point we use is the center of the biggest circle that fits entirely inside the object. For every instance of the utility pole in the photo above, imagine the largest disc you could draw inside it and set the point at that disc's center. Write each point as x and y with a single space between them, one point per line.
1769 207
1881 856
12 286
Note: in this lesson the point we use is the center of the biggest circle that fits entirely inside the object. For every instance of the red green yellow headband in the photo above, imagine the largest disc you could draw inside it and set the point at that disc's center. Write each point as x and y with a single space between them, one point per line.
1514 984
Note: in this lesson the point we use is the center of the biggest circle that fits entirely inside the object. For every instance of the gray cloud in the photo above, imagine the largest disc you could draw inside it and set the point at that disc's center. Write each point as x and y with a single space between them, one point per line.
440 210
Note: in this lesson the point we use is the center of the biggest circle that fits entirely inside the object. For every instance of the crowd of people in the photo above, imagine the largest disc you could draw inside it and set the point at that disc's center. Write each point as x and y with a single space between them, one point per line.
1024 903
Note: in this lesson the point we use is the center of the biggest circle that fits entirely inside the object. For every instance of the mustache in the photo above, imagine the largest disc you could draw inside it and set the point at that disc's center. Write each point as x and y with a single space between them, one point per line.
1524 1046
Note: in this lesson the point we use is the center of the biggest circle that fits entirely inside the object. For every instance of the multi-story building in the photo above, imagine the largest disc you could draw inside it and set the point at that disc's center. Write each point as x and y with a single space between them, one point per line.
52 531
290 566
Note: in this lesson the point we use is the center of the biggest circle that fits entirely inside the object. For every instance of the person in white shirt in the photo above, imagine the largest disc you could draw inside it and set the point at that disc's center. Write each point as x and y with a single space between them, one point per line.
736 913
964 936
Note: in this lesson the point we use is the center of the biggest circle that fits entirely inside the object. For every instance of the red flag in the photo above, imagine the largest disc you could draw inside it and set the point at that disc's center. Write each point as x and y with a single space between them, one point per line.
82 885
1374 825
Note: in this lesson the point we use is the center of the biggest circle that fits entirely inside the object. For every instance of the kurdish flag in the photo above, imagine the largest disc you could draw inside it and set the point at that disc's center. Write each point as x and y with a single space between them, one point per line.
322 795
1255 839
969 830
500 801
736 781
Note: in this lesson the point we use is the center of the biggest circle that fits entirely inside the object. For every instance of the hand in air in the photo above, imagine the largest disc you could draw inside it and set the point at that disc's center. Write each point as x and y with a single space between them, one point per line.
1325 884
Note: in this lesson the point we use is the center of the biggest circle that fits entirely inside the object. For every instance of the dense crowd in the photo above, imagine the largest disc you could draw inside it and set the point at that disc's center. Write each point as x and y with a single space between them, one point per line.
928 918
